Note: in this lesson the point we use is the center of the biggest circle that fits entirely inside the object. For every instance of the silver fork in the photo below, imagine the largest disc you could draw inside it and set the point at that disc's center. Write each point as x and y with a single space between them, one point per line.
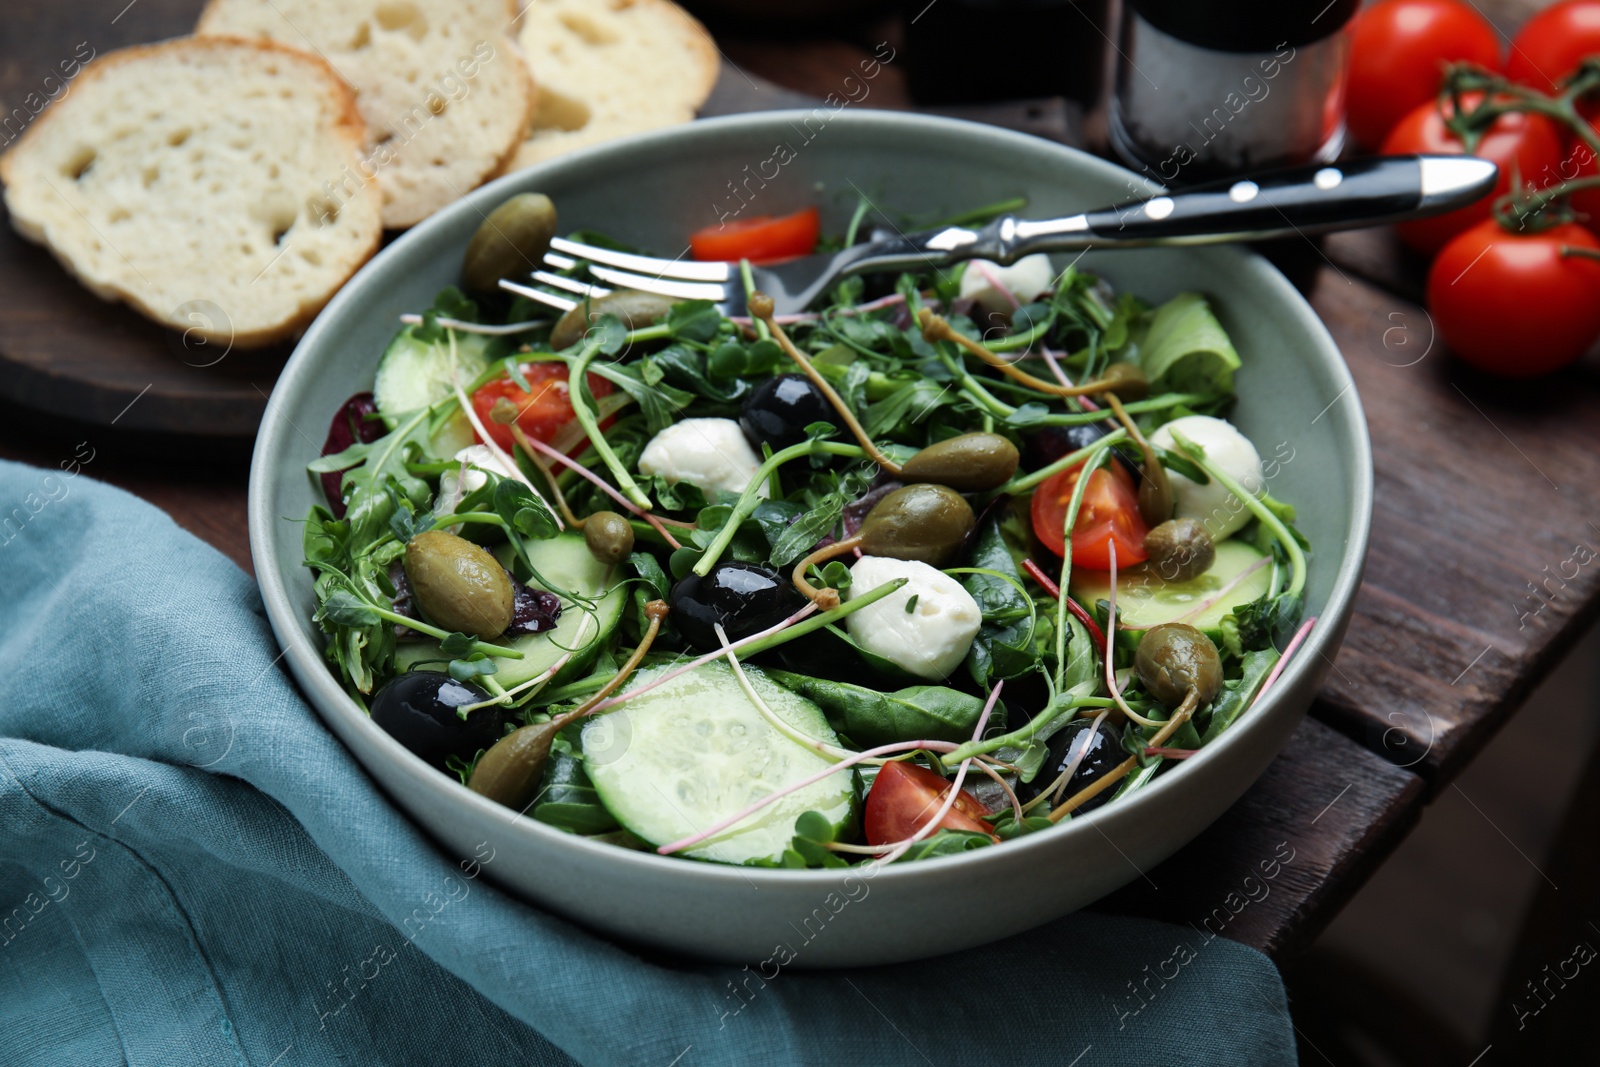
1301 200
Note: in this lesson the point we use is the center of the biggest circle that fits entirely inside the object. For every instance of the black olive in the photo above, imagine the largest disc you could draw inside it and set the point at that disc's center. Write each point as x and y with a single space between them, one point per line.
1104 753
781 408
1053 442
743 597
418 709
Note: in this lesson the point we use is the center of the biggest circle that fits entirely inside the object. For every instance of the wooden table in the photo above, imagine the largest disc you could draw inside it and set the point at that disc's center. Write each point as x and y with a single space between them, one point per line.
1482 489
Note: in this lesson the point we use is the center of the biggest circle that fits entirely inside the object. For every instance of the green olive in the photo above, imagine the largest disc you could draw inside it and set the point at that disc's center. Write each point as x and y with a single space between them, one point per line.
971 463
921 522
512 240
635 309
511 772
609 536
1180 549
458 585
1126 380
1174 658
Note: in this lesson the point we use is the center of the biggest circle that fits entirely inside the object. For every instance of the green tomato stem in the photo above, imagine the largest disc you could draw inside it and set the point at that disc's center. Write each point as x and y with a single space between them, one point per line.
750 499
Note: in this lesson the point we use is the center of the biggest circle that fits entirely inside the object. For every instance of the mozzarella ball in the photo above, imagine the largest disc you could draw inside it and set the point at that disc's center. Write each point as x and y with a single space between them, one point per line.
931 638
456 486
711 454
1023 280
1231 452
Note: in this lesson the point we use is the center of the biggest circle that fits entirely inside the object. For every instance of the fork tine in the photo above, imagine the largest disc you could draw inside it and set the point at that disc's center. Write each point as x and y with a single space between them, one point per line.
657 268
560 303
571 285
661 286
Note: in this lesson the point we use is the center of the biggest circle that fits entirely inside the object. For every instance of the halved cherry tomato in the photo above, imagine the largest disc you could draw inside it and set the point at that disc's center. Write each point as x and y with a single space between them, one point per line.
541 413
1512 303
1528 144
1553 42
1398 52
904 796
1109 513
763 239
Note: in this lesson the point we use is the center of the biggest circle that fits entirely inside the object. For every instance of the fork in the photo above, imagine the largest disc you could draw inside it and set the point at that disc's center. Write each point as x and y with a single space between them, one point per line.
1301 200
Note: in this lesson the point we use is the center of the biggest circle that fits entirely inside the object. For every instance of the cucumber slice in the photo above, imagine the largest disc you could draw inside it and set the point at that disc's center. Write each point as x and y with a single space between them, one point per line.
1145 599
696 750
585 625
414 374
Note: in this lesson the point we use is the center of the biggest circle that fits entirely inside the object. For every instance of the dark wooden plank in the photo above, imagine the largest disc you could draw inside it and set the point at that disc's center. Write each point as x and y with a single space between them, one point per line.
1485 558
63 350
1280 863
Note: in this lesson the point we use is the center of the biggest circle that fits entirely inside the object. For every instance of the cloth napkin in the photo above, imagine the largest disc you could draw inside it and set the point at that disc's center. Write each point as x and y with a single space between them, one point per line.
193 870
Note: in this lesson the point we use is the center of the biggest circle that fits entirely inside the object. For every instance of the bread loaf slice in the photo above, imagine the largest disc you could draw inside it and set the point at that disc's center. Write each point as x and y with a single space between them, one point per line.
441 84
195 180
608 68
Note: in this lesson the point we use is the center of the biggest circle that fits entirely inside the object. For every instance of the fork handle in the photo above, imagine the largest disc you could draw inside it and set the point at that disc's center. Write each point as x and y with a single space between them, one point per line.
1300 200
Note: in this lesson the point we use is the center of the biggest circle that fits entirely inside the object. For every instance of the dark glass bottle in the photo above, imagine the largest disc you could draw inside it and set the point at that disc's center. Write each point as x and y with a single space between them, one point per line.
971 51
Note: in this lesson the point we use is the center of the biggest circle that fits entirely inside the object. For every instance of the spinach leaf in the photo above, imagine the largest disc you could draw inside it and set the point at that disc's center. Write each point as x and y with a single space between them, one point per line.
568 800
694 320
807 530
774 517
869 718
945 843
1262 623
1186 349
1238 693
897 414
683 367
1005 646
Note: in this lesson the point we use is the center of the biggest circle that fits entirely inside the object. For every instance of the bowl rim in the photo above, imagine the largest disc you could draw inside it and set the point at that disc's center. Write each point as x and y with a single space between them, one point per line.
328 697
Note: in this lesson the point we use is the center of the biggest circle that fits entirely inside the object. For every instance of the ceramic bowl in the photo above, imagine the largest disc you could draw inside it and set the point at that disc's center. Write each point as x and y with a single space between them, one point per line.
1296 401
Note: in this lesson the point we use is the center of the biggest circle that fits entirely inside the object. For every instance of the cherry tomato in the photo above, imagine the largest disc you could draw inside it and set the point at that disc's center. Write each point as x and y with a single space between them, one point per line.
1529 144
1398 52
541 413
763 239
904 796
1553 42
1109 513
1511 303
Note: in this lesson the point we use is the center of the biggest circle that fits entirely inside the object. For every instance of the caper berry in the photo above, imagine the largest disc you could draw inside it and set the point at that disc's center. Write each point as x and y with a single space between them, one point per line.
609 536
1180 549
971 463
458 585
921 522
511 771
1174 658
635 309
512 240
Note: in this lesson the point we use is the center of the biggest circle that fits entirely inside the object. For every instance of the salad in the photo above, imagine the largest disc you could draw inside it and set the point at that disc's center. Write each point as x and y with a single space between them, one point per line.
945 562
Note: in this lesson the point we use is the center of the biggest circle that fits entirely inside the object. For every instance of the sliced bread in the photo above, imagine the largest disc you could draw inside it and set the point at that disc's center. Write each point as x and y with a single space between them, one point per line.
608 68
198 180
441 84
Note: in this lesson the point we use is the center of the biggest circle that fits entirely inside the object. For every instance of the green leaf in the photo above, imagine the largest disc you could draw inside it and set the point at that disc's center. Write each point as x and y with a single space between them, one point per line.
1238 693
476 666
807 530
869 717
655 579
735 360
945 843
1186 349
457 646
1266 622
1006 645
523 510
344 608
568 799
694 320
814 826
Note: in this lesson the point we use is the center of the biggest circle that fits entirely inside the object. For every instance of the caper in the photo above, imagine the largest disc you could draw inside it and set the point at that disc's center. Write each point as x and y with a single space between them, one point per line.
635 309
1155 493
1126 380
1180 549
921 522
609 536
1174 658
512 240
971 463
511 771
458 585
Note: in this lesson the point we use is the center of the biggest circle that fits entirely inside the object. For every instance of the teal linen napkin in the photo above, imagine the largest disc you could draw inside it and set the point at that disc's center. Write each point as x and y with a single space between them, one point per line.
194 871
